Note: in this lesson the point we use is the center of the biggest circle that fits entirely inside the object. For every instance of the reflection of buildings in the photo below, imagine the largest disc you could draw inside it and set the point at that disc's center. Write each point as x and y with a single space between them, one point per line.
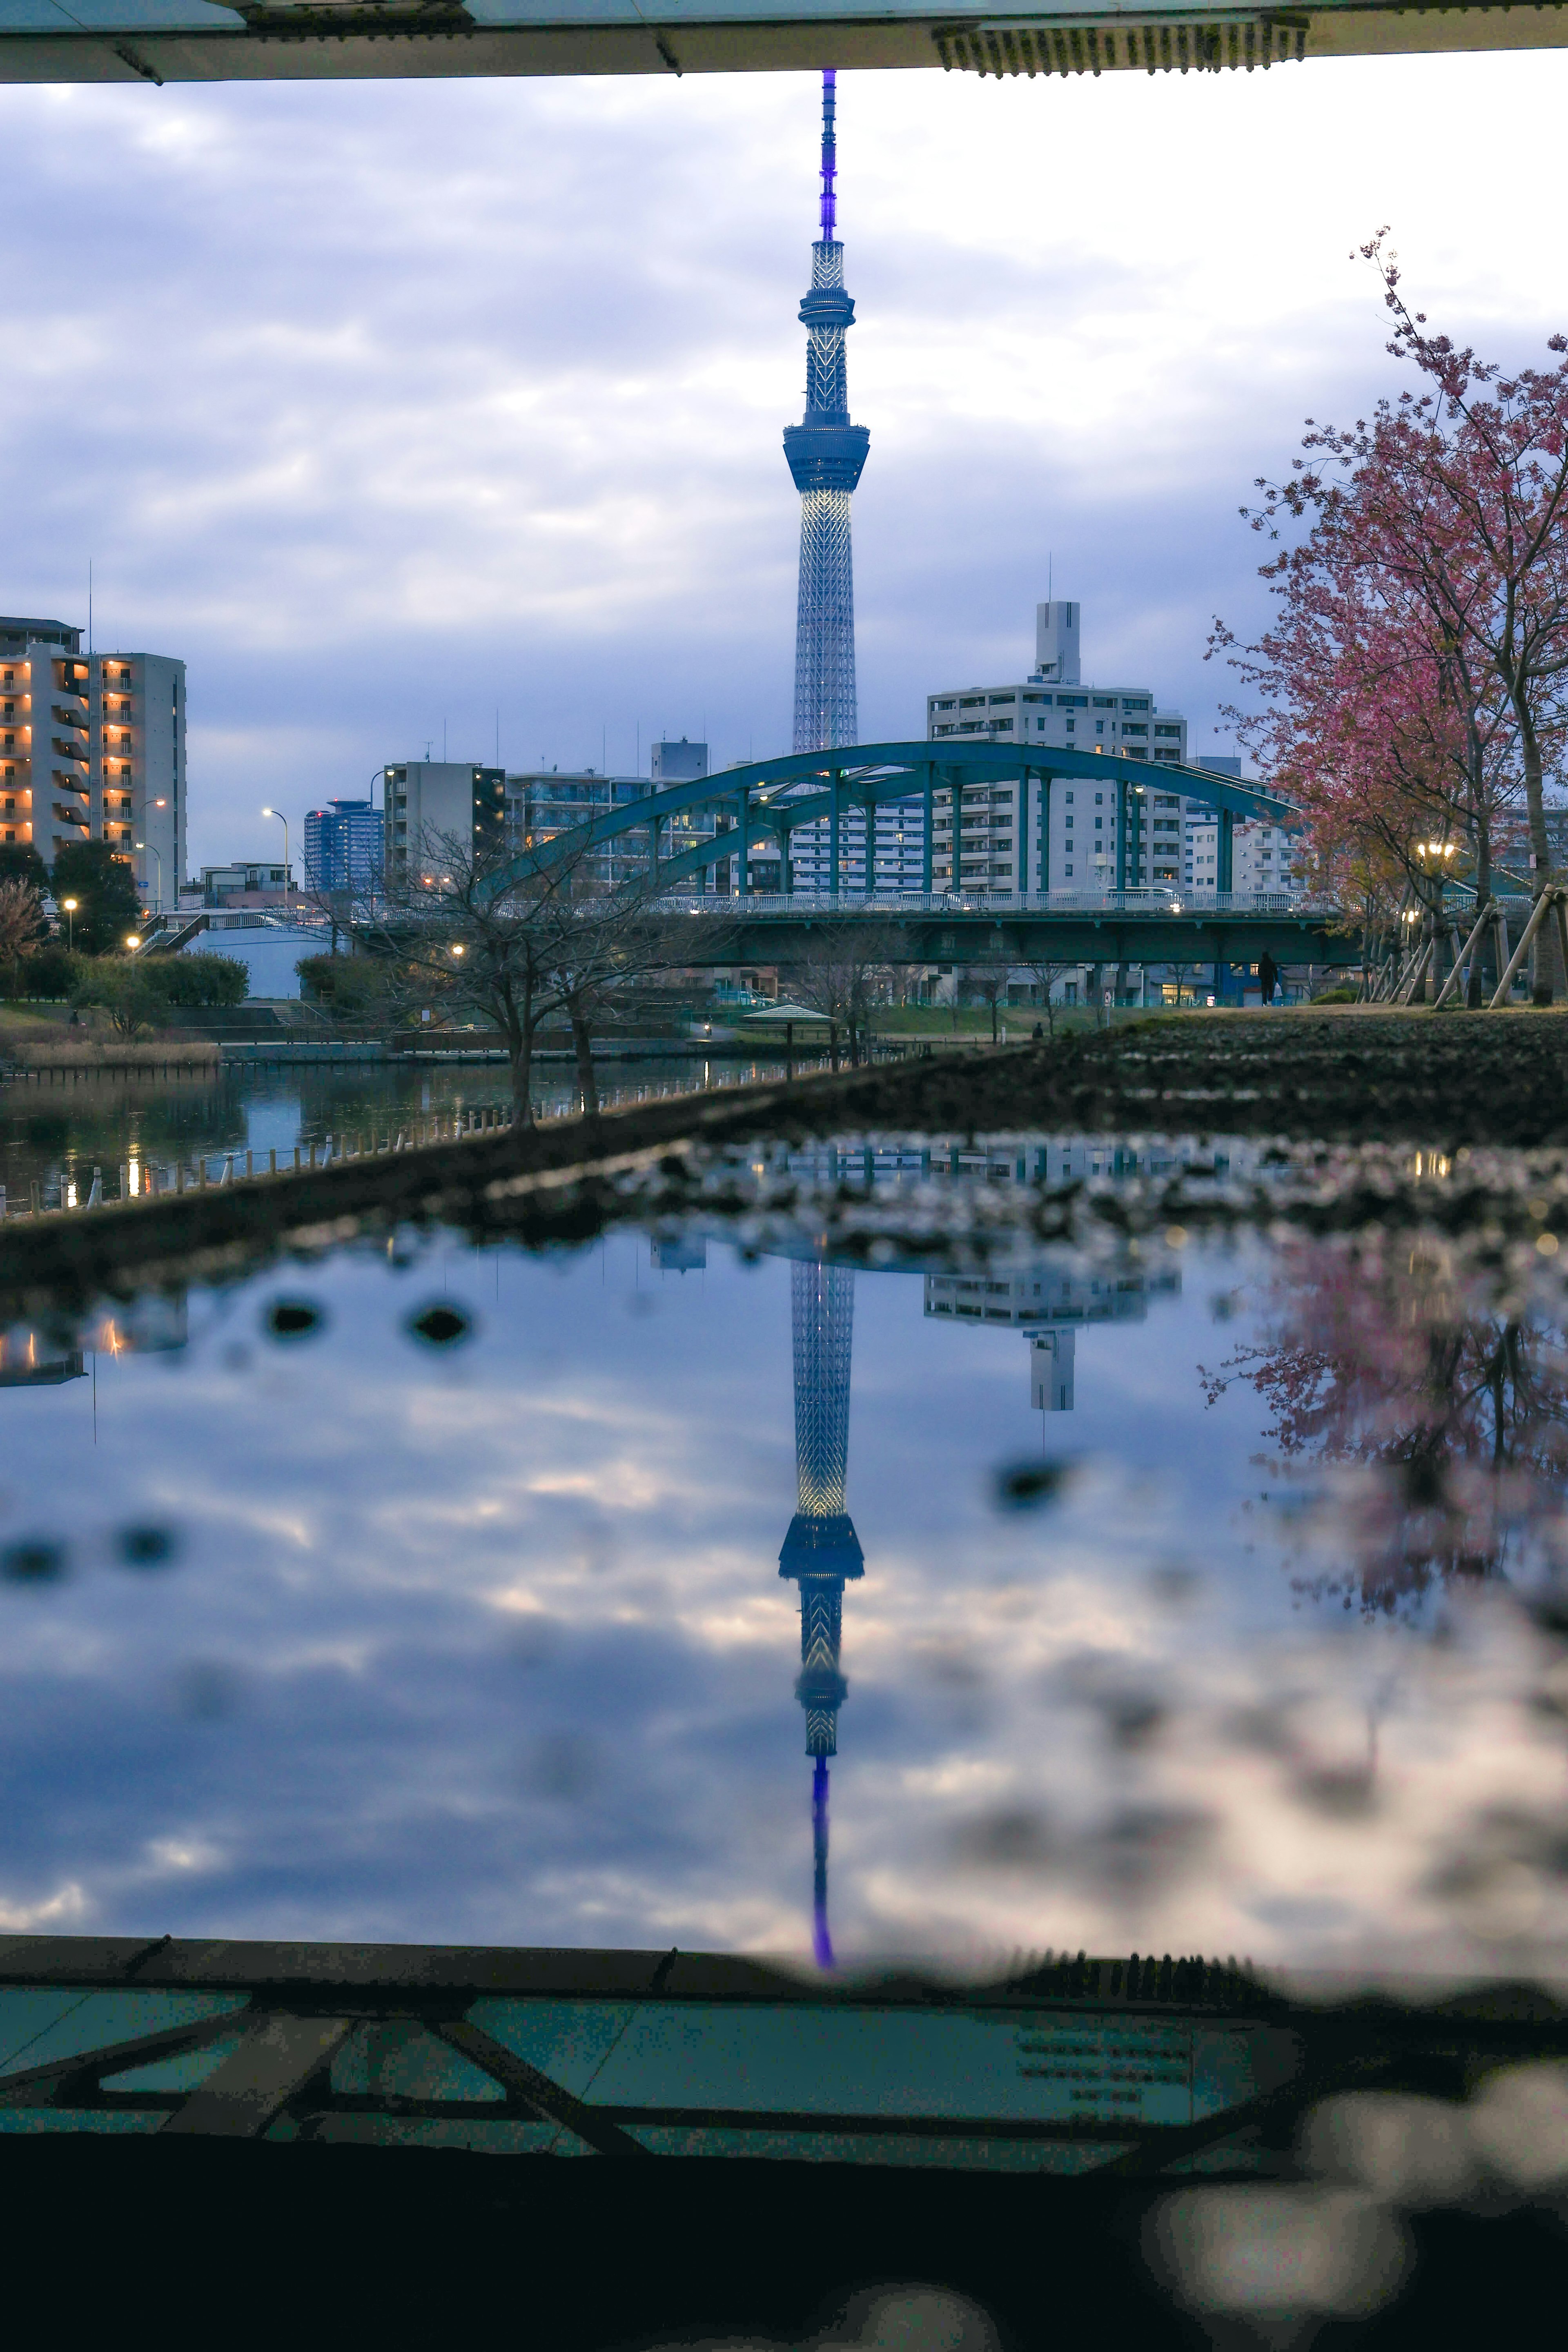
1049 1304
685 1254
24 1364
30 1359
821 1551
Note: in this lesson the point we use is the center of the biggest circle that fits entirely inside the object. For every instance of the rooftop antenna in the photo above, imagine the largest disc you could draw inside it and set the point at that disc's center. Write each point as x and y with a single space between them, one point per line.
89 608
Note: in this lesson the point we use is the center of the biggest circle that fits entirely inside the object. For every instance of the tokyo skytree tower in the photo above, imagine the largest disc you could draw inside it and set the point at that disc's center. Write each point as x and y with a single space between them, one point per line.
821 1550
826 453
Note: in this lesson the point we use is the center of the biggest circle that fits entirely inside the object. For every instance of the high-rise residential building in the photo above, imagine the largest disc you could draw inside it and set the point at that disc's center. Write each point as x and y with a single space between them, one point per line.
432 803
826 453
678 764
93 748
345 845
1076 834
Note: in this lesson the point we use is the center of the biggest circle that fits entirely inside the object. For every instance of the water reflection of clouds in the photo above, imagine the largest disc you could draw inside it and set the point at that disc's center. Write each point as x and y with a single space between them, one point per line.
494 1646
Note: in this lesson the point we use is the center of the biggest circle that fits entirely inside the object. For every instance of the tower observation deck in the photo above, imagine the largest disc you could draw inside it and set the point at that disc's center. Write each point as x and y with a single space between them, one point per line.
826 453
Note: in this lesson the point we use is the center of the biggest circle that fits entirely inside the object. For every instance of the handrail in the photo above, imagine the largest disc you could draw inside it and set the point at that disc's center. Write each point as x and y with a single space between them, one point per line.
1159 904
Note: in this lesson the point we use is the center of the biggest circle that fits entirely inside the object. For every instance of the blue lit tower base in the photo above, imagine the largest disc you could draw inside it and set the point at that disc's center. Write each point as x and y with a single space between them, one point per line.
826 453
821 1551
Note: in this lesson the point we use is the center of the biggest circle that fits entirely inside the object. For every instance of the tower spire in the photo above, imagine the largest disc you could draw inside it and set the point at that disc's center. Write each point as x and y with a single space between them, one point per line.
829 152
822 1551
826 453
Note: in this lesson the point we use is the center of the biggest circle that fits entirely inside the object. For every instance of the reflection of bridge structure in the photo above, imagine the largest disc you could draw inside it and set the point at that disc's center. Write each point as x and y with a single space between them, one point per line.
821 1552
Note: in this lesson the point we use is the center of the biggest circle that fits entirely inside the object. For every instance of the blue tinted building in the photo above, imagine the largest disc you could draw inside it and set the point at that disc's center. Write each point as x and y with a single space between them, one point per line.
343 846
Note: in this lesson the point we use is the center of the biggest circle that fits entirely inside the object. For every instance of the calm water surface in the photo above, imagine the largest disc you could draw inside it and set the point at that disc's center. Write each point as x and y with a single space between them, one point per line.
54 1130
1182 1598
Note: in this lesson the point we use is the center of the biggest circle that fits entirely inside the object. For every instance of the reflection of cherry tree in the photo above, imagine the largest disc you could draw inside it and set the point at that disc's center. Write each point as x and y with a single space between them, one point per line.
1440 1435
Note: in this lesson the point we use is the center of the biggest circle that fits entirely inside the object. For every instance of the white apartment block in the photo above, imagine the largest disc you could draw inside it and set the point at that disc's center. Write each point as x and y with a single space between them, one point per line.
93 748
1264 856
1077 834
1200 857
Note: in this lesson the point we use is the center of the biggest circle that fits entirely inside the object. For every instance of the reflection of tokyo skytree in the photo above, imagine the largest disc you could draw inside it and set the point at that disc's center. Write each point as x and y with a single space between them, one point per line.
821 1550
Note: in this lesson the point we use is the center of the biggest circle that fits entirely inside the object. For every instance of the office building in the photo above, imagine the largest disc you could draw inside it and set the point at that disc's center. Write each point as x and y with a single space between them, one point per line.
1072 834
344 843
445 808
93 748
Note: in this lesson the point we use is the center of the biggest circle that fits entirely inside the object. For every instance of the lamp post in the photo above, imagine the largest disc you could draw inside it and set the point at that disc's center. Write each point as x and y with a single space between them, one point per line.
284 823
158 901
71 905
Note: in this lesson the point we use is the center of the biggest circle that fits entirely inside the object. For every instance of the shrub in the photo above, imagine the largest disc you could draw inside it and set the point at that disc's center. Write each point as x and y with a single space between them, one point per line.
1337 996
199 978
122 988
50 970
350 988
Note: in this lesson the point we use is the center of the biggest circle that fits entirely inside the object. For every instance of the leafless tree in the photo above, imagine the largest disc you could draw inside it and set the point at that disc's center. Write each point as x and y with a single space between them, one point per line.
989 981
521 952
844 972
1044 978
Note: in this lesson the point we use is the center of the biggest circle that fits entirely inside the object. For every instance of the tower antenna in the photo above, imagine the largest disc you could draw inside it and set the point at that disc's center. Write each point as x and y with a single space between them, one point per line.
829 154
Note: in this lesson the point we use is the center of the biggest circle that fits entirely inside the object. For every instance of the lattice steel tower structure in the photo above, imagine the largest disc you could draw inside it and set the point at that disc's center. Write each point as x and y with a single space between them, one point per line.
822 1551
826 453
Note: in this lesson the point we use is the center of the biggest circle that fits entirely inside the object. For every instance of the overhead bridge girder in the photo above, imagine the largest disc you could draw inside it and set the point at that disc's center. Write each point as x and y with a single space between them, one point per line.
770 798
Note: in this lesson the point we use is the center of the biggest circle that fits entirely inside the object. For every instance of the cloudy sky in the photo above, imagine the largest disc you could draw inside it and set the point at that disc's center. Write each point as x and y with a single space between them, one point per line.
408 414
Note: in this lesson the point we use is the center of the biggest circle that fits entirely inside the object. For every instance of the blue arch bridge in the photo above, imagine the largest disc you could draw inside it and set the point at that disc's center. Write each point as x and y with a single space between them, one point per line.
713 839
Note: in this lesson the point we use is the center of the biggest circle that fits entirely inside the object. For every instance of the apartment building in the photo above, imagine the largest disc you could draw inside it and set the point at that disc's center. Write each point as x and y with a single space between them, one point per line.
93 748
1077 834
430 802
344 846
1263 858
542 801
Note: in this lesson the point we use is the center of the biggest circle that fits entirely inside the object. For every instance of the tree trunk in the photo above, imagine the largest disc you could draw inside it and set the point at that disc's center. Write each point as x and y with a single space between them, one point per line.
520 1053
1548 979
588 1083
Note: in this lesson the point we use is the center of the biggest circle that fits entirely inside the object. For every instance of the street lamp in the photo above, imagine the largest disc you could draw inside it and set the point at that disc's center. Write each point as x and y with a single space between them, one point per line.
71 905
284 823
158 902
133 941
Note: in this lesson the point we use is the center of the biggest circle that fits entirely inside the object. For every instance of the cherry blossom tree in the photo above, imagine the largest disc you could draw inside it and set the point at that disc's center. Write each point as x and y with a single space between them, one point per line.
1415 677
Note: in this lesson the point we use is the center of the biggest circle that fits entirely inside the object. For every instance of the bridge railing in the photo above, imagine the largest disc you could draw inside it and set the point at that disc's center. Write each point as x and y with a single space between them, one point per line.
881 905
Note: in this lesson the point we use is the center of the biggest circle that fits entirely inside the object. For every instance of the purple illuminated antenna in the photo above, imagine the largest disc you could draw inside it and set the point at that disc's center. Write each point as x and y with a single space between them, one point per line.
821 1940
829 154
